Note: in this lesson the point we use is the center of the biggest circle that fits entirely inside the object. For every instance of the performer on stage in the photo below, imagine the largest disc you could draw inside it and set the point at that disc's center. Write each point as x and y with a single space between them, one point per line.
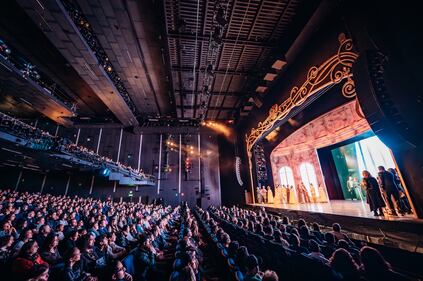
259 197
291 195
357 190
350 187
387 183
287 192
405 204
373 195
322 194
303 193
313 193
269 195
263 192
277 198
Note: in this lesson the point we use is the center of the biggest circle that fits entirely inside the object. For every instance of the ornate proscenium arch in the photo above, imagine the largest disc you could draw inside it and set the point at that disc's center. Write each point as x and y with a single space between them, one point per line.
319 79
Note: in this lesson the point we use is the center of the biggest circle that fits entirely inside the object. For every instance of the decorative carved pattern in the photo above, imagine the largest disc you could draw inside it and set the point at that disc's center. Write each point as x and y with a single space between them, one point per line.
238 170
319 78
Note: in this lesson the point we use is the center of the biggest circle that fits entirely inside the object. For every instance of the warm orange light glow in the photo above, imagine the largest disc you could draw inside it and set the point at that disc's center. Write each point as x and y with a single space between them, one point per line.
220 128
273 134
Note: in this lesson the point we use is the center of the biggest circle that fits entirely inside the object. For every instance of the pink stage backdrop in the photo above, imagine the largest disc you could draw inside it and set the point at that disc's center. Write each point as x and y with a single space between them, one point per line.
336 126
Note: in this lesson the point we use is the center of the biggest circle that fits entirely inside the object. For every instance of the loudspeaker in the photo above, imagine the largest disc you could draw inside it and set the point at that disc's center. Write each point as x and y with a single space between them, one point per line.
392 114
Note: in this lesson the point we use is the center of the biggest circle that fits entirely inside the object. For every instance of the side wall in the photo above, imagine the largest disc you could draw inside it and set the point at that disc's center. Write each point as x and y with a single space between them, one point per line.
139 150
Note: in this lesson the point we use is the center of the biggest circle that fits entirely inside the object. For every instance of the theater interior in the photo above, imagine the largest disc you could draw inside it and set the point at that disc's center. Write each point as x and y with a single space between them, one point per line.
204 140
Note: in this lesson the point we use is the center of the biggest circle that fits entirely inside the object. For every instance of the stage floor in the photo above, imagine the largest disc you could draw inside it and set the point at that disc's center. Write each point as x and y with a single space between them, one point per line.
337 207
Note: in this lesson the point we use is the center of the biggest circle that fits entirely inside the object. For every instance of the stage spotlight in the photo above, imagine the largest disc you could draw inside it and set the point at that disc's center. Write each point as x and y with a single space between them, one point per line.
105 172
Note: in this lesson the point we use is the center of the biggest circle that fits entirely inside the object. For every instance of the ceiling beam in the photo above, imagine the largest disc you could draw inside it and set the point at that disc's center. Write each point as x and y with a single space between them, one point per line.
209 108
228 40
233 94
218 71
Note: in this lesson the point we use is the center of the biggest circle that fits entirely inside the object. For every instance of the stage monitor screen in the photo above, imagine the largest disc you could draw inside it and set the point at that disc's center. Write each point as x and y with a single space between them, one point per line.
351 159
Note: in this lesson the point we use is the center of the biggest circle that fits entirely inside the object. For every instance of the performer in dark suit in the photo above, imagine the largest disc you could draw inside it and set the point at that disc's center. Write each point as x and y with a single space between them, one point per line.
404 203
387 183
373 195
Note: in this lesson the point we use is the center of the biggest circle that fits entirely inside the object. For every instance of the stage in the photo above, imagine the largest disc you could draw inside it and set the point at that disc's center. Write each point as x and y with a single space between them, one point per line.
337 207
403 232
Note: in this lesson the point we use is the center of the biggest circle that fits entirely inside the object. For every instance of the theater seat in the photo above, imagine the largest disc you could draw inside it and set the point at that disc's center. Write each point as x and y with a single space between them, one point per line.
178 264
239 276
128 262
174 276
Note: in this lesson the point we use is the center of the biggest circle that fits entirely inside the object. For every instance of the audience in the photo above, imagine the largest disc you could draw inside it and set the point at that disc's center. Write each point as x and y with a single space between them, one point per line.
47 237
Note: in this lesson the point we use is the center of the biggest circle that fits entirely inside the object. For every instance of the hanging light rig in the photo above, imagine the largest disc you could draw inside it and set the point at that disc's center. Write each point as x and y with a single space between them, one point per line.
220 22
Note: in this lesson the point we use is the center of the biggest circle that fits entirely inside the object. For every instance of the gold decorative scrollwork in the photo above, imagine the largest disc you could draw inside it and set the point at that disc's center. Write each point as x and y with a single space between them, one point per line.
319 78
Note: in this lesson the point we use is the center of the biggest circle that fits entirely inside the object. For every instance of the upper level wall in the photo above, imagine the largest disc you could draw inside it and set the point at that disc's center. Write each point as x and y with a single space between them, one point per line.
107 140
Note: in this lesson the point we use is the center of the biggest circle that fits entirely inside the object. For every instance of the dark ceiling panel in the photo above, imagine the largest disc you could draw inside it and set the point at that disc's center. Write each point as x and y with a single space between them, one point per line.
127 34
66 37
256 31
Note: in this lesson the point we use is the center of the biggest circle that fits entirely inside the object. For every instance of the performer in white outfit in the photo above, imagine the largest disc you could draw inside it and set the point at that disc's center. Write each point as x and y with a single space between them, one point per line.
292 195
322 194
269 195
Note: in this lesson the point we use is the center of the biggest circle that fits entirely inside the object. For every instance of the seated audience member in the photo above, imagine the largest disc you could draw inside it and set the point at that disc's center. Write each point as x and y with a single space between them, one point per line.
375 267
336 231
60 228
44 231
343 263
301 223
69 242
93 258
232 249
355 253
49 251
73 270
314 248
295 245
114 251
145 258
268 232
278 238
24 237
94 230
8 229
259 229
6 243
119 272
305 235
330 245
317 232
270 275
285 221
253 272
241 258
226 240
186 274
38 273
28 257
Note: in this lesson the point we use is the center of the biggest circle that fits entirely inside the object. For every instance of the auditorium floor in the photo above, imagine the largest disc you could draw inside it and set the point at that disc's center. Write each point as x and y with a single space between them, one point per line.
338 207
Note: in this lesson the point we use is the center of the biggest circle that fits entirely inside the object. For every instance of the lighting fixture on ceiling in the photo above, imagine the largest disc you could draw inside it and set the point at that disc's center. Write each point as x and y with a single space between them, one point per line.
279 63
